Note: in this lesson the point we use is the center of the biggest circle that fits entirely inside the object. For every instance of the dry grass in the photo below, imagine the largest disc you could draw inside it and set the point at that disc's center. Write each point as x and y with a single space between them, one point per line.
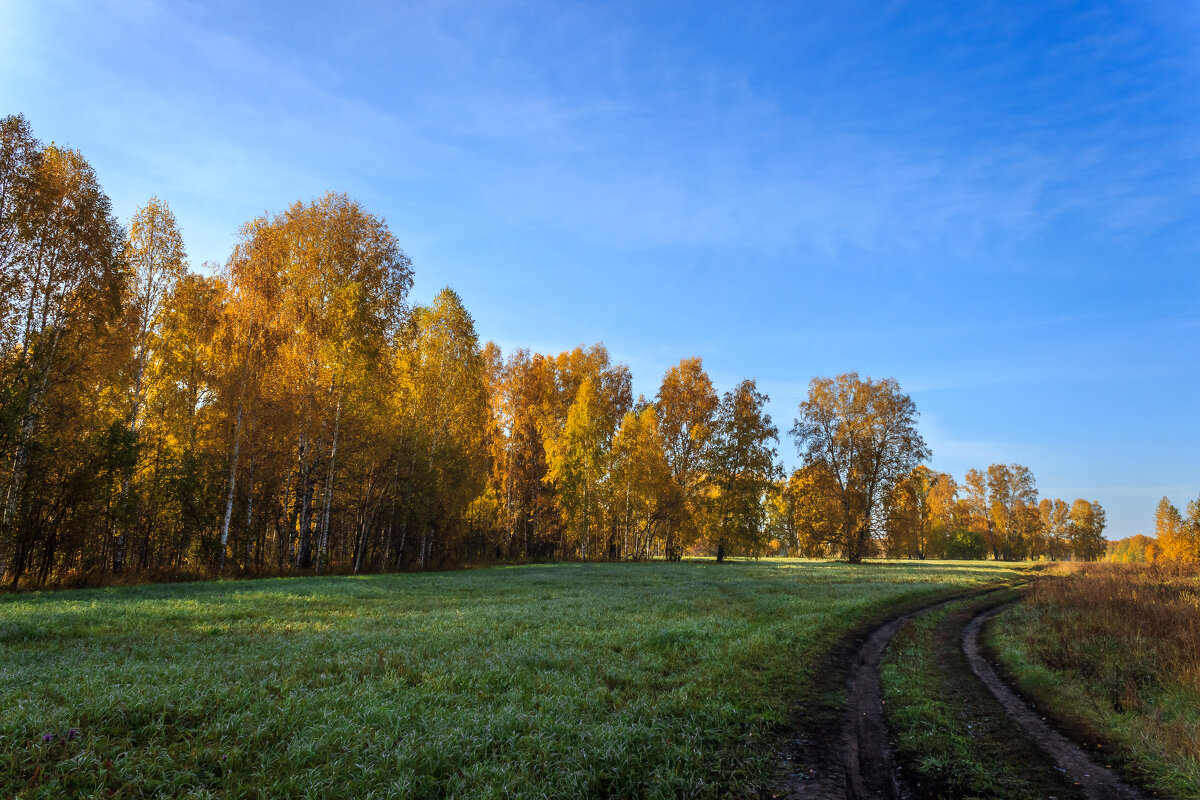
1115 649
1134 628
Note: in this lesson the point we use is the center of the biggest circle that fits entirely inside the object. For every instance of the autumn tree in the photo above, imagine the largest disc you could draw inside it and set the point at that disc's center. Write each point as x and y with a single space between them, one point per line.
1011 493
1056 526
781 521
62 275
585 401
642 495
443 395
740 470
323 286
576 460
1178 538
182 439
813 498
863 434
1137 549
917 516
687 405
978 508
1192 529
155 257
524 499
1088 521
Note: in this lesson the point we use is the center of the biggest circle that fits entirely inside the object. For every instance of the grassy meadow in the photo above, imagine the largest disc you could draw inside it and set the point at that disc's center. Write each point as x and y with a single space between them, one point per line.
579 680
1112 651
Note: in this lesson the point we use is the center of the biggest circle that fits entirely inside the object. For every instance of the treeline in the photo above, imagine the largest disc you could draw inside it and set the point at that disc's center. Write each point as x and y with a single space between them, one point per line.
1176 538
992 514
291 410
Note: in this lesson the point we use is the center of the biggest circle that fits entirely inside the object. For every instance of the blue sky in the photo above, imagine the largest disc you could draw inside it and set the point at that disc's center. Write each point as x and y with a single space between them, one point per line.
996 203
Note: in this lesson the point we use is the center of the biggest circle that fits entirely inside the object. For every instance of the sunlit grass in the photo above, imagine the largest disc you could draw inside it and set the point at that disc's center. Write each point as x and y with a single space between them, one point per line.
658 680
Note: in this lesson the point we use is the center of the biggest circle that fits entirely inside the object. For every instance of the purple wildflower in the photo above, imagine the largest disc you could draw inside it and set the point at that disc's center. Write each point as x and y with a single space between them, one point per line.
72 733
47 737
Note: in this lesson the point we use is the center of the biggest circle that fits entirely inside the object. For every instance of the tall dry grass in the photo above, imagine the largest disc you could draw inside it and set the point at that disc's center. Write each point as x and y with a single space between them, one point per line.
1132 633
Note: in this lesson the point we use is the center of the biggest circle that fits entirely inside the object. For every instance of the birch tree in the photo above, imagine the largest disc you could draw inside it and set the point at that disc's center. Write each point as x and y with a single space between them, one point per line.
687 405
155 257
863 433
740 470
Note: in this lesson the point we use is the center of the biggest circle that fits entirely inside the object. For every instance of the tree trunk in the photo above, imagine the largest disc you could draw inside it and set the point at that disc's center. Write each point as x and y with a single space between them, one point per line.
324 540
233 465
304 521
250 544
25 434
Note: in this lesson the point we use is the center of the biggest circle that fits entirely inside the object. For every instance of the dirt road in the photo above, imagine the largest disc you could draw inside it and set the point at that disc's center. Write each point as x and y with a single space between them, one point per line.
841 749
1096 781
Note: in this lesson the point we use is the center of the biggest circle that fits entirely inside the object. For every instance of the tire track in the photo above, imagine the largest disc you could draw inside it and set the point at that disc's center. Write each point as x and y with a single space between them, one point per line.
847 755
851 758
1095 780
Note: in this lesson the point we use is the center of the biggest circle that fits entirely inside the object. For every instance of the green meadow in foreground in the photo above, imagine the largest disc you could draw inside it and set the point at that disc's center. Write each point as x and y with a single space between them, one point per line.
655 680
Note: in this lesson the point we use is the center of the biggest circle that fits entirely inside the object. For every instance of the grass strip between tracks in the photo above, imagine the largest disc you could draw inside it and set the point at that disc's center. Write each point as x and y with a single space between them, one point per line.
950 737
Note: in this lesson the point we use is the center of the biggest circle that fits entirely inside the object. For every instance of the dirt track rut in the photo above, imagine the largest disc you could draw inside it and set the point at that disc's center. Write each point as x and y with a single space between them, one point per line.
1095 780
846 755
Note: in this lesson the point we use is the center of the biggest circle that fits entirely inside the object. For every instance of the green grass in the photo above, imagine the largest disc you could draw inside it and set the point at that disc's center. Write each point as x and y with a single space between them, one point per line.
654 680
950 735
1112 652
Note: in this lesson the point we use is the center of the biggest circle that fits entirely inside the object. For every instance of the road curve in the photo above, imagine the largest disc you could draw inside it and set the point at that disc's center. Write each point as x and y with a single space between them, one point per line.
1095 780
858 763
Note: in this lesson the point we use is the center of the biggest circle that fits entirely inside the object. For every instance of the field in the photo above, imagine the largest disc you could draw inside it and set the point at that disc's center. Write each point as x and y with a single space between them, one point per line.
1112 653
654 680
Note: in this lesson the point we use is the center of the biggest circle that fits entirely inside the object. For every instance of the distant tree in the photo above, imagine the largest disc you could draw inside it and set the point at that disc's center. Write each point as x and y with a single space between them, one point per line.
1178 538
1011 492
641 492
687 405
741 470
1056 527
1137 549
918 514
863 434
814 501
1192 528
963 540
1088 521
978 510
781 521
